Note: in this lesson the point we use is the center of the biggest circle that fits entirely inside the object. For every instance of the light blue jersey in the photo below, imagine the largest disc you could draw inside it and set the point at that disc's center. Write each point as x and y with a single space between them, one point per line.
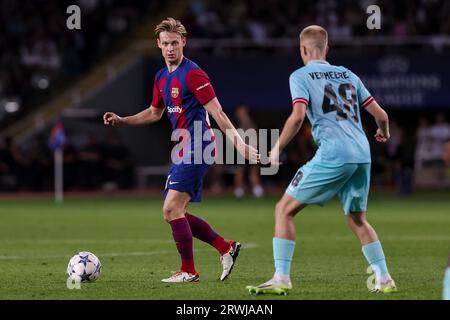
333 95
341 165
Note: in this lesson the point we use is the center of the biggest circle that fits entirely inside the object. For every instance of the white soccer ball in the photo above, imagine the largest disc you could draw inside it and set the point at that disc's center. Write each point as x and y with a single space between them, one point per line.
84 266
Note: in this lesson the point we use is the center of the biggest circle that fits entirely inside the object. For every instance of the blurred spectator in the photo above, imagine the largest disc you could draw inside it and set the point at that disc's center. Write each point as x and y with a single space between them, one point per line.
400 162
446 158
18 162
31 168
118 166
70 165
393 152
214 178
39 170
298 152
423 146
8 177
439 134
446 155
245 122
343 19
39 55
430 166
91 164
306 145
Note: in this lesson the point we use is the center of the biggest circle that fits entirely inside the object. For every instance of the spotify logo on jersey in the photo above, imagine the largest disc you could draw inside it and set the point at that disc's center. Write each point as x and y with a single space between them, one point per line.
175 109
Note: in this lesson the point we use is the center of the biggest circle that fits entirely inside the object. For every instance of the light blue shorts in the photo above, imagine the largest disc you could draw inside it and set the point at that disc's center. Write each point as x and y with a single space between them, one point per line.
317 183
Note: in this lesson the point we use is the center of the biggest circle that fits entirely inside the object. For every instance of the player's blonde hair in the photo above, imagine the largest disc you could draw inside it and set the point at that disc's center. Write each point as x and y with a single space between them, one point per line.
170 25
315 36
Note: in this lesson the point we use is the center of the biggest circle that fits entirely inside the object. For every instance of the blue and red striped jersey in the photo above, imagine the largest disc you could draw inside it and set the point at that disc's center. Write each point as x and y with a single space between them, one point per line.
183 93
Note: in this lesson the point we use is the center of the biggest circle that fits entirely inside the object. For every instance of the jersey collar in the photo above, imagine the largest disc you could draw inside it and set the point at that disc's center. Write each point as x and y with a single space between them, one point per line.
318 61
183 59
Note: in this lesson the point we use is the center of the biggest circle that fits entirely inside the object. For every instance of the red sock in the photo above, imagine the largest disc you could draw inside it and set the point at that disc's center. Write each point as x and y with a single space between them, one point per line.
203 231
182 235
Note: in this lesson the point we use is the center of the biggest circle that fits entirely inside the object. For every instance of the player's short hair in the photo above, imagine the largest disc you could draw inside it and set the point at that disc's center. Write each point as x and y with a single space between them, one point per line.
170 25
316 35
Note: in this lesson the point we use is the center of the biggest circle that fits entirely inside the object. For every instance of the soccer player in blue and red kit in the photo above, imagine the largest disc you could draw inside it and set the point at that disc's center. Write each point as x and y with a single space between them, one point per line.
185 91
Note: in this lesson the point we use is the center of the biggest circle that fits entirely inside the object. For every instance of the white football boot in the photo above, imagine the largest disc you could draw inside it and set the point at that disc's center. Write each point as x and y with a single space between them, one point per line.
181 276
384 287
228 260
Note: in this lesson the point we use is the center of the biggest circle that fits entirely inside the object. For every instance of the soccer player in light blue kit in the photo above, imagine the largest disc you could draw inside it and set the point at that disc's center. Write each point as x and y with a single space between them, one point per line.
446 290
331 96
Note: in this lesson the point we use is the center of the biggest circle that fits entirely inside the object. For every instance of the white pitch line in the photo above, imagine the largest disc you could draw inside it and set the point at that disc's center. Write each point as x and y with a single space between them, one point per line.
112 254
349 237
102 241
75 241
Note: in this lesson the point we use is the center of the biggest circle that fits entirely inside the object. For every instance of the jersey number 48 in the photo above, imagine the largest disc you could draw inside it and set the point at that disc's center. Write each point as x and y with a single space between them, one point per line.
345 109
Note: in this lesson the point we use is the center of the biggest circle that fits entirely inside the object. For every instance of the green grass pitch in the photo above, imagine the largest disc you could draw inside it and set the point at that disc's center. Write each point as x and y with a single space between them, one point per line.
134 244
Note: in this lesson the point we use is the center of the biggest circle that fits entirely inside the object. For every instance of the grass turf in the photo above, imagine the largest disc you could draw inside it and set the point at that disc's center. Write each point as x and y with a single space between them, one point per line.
134 244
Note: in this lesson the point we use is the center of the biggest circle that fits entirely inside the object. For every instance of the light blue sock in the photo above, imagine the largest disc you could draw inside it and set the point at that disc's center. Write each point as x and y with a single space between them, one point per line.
375 256
446 292
283 250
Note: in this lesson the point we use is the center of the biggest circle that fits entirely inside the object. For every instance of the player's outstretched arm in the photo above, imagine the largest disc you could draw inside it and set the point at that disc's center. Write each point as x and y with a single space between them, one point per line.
146 116
290 129
382 120
214 108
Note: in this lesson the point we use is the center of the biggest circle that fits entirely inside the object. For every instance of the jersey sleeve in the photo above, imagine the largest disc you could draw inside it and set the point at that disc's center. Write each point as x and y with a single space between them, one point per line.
299 91
364 96
157 99
200 86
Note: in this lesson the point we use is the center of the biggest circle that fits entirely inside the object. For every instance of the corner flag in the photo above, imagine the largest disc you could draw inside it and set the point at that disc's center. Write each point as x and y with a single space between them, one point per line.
57 137
56 142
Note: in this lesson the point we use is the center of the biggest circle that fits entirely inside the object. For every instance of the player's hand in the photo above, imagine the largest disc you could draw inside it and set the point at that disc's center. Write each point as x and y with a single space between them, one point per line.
111 119
380 137
250 153
274 157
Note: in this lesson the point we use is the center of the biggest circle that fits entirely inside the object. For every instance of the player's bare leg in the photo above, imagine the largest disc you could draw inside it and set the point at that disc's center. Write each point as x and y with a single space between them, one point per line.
446 290
373 251
361 228
228 250
283 247
285 212
175 213
174 208
255 181
239 182
175 205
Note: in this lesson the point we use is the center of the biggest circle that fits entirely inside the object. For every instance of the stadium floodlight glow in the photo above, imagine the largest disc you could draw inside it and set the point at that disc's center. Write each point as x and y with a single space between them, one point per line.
43 83
12 106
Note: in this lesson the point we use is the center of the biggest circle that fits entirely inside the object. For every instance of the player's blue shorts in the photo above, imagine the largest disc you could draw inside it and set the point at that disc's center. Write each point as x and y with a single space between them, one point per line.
316 183
187 178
